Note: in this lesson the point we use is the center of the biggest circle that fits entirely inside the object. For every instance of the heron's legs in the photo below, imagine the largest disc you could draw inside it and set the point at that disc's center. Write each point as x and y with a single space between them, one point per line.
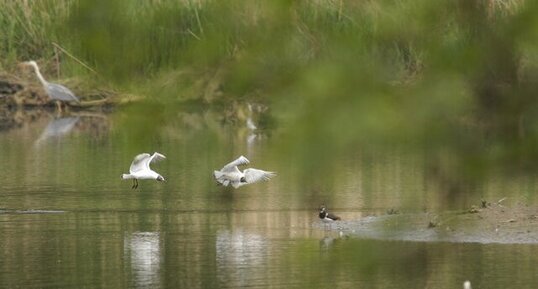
59 106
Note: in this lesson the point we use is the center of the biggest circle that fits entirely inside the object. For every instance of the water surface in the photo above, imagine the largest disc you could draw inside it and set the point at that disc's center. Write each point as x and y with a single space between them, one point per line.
67 220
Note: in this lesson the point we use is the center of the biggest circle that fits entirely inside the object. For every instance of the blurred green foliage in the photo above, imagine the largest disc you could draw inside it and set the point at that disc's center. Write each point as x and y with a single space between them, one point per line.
456 79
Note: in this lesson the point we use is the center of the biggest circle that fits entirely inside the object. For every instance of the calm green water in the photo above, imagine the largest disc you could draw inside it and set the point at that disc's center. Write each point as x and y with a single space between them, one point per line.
68 221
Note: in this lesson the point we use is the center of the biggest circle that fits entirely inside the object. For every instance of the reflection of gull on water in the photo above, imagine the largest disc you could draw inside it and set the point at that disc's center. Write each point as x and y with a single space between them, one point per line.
57 127
239 256
143 248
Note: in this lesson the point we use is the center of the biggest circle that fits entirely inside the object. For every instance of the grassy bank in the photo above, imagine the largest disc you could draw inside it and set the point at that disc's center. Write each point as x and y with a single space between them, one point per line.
456 77
262 45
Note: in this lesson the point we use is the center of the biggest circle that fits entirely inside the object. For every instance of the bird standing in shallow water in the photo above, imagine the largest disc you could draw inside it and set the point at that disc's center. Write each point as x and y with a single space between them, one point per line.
55 91
327 217
140 169
231 175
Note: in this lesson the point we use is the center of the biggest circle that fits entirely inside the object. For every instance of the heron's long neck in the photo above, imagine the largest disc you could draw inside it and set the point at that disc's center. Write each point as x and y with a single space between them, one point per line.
43 81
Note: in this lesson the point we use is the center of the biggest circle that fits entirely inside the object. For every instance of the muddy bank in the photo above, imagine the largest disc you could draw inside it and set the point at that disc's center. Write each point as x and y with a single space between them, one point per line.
493 223
15 92
24 101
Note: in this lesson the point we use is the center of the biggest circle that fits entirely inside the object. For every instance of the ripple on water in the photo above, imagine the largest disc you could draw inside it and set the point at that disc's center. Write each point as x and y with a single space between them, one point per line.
31 211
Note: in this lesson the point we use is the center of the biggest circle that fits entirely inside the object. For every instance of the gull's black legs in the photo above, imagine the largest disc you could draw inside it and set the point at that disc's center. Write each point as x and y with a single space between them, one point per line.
136 181
135 184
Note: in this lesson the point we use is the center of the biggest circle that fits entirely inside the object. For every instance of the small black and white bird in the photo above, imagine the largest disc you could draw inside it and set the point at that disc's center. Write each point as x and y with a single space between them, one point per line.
327 217
231 175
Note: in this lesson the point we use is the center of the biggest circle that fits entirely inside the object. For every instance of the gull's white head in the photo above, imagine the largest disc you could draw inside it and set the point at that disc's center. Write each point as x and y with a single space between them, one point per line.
467 285
160 178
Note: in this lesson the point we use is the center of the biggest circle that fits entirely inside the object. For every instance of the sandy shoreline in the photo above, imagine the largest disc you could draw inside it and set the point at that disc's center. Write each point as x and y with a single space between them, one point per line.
492 224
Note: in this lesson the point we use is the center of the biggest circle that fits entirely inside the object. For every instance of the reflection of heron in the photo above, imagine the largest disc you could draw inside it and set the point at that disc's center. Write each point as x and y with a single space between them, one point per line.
251 138
57 128
250 124
252 128
143 248
55 91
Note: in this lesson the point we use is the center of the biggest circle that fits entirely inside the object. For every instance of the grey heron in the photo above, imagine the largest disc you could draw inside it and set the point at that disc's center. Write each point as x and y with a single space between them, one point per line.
55 91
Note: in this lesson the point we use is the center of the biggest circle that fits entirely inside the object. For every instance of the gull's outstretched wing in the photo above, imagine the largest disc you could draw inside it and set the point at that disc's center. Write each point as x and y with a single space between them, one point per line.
255 175
139 163
233 165
220 177
155 158
60 92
